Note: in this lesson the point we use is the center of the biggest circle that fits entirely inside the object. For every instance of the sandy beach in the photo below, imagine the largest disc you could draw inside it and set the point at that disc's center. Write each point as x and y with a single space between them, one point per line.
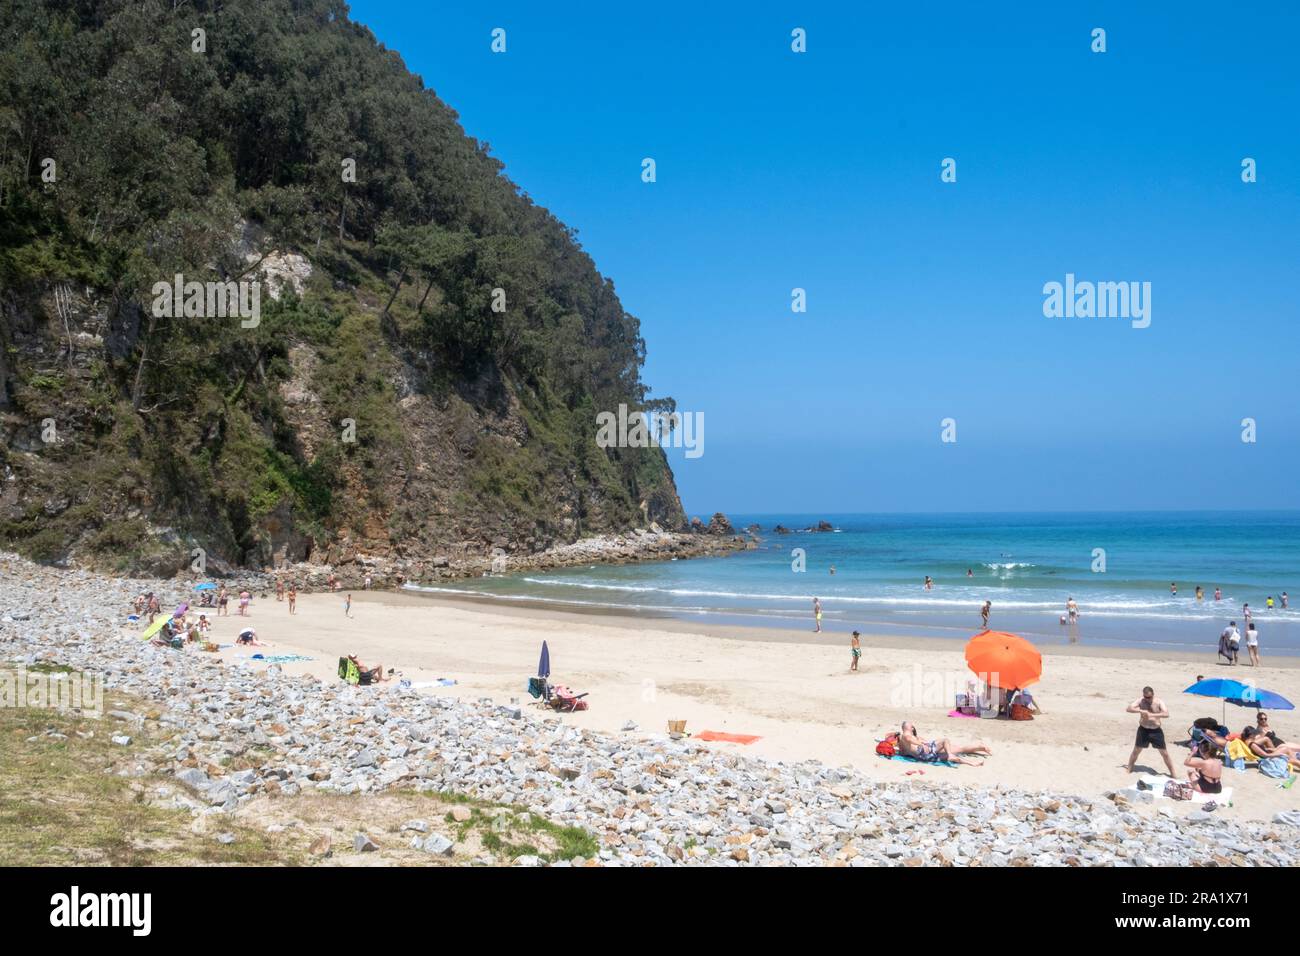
793 690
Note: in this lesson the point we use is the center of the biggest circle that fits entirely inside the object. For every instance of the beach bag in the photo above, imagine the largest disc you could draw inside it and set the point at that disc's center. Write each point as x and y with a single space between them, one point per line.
1175 790
886 747
1020 712
1276 767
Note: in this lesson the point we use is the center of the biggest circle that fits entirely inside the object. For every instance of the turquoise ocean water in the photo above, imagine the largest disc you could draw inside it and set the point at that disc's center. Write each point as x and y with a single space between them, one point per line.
1026 564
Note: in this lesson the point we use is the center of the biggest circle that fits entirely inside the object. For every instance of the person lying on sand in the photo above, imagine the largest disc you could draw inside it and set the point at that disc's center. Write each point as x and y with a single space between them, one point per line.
369 675
1205 771
939 750
1261 746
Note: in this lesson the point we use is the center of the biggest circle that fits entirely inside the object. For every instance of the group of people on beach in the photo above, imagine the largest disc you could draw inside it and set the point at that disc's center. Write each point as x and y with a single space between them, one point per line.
1211 744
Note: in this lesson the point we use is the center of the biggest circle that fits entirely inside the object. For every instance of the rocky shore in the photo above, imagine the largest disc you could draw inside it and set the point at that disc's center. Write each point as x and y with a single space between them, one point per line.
645 798
351 568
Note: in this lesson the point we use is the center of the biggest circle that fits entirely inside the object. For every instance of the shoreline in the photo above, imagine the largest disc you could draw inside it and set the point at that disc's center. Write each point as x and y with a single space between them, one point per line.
525 607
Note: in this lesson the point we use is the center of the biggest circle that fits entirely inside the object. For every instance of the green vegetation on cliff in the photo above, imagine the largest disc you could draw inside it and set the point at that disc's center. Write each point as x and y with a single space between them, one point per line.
381 403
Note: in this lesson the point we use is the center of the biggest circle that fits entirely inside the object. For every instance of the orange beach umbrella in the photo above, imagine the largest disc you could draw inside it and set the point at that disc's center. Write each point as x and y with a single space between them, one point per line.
1004 660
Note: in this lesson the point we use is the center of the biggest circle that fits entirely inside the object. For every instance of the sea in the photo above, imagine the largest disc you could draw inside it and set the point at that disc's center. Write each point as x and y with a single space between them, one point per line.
869 573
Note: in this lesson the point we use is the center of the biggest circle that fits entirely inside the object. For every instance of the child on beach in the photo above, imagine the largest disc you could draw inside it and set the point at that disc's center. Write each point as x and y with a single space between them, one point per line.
347 607
984 613
279 590
856 646
1218 594
817 613
293 598
204 624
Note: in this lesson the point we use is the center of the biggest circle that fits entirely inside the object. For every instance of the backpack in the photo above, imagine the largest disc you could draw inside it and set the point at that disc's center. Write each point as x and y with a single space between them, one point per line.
886 747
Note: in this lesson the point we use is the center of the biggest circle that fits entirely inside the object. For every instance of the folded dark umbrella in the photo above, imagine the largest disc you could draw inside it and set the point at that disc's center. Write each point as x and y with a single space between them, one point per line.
544 664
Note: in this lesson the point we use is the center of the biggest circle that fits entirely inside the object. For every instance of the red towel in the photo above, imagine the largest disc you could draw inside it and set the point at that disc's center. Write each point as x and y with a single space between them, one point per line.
728 738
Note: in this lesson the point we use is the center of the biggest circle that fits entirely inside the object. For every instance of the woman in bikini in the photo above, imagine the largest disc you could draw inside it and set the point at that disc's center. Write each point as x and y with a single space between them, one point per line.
1205 772
934 751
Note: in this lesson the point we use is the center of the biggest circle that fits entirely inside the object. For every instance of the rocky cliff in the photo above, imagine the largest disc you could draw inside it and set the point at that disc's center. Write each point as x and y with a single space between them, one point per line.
431 348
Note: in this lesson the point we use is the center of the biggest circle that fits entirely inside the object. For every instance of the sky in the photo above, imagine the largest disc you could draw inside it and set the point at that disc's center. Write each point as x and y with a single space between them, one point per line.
821 170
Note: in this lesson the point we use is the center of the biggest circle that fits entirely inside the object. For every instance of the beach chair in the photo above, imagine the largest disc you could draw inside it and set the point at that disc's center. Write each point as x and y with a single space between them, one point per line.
566 701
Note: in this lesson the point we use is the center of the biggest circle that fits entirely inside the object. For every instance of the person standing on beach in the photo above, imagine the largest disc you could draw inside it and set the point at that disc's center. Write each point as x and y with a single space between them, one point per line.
1252 644
1150 710
223 602
1245 614
1072 611
856 646
293 597
1268 605
817 614
244 598
1228 642
347 606
1218 594
985 611
279 590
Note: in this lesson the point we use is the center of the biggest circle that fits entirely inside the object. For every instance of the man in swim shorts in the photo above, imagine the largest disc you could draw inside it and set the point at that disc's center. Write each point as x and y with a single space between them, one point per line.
1150 710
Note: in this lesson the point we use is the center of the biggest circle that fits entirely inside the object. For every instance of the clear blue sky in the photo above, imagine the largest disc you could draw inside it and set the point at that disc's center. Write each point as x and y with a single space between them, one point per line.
821 171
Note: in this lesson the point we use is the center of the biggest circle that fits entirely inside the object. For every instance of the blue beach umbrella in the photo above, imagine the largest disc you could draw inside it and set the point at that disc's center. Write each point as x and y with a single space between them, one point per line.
1222 687
1262 699
544 664
205 586
1239 693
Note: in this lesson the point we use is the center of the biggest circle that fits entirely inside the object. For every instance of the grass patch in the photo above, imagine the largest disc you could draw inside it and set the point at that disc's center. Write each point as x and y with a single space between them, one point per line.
69 796
63 802
512 831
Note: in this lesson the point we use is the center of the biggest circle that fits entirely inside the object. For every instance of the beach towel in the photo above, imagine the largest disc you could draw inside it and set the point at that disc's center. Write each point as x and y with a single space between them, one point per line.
282 658
1238 750
958 713
726 738
1276 767
924 763
440 682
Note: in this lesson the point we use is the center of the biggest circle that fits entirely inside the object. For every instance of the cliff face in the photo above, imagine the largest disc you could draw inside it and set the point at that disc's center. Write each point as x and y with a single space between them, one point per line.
430 352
